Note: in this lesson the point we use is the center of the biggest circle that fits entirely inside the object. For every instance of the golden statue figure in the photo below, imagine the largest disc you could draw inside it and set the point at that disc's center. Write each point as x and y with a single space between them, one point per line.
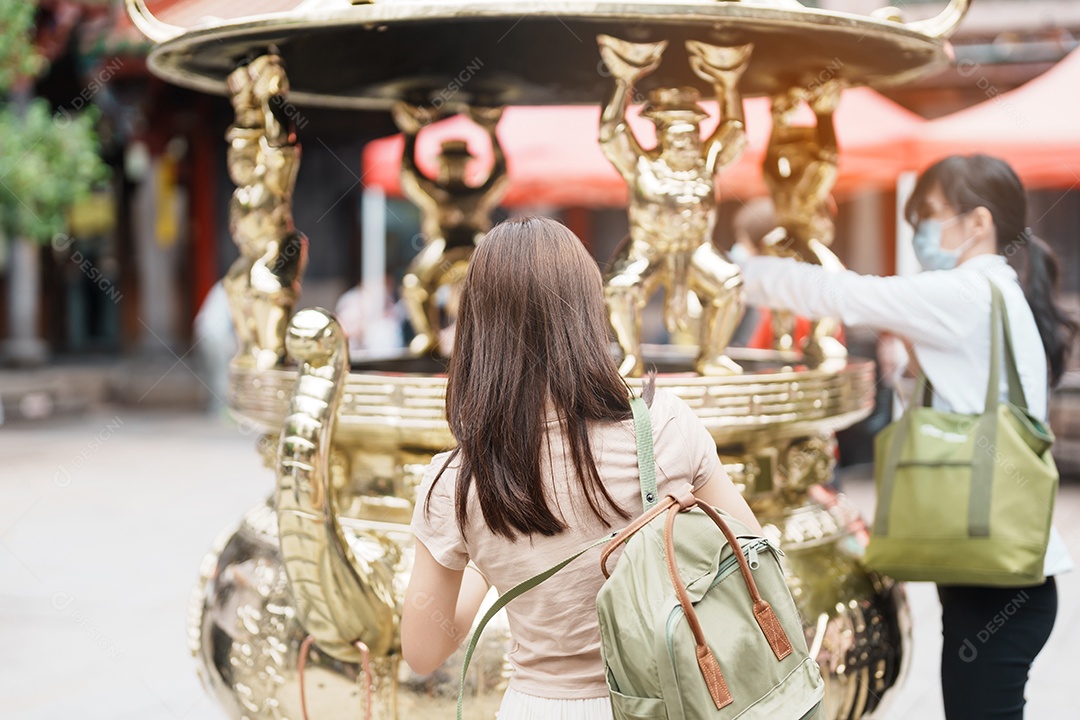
454 216
673 200
800 171
263 158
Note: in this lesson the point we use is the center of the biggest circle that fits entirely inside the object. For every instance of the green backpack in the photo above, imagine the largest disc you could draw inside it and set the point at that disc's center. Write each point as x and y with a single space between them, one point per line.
966 499
692 628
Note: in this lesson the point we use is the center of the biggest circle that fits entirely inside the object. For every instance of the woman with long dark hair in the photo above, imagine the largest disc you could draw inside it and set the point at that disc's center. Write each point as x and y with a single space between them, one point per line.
546 463
969 214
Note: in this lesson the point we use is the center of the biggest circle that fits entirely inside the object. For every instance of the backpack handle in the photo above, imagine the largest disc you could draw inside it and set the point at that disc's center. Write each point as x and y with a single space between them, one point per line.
763 612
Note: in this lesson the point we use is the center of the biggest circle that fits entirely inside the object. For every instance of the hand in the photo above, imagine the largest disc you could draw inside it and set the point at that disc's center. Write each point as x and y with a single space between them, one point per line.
741 251
629 61
777 243
785 104
719 65
486 117
268 78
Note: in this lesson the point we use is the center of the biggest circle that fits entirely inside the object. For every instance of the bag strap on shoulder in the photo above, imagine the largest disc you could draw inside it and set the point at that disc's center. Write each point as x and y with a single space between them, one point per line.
999 318
647 477
982 466
646 458
1000 315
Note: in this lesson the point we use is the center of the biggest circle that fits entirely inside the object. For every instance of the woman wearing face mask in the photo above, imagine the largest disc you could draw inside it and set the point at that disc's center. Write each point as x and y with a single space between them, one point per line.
969 214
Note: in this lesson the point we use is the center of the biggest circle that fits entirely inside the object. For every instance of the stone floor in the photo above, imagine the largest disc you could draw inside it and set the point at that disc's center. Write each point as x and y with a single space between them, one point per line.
105 517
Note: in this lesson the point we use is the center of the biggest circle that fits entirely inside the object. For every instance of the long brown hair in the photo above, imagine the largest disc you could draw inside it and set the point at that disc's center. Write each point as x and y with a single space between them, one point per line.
532 330
973 181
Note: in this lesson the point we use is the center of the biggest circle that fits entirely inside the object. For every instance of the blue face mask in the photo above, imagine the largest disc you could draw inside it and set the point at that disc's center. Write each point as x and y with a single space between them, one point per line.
928 250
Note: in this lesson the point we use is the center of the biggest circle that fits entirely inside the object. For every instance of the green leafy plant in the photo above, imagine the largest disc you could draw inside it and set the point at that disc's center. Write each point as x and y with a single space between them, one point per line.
18 57
48 161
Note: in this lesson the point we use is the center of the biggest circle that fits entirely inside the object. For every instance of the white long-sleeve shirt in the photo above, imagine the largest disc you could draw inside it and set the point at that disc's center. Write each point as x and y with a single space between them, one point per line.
944 314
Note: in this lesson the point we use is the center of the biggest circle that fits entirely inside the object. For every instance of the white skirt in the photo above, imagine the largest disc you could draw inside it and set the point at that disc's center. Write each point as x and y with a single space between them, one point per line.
519 706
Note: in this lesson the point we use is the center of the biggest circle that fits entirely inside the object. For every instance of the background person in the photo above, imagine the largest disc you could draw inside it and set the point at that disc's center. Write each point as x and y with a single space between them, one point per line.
372 318
969 214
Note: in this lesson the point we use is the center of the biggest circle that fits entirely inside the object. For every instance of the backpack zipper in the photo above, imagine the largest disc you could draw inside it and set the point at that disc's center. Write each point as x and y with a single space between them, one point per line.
751 551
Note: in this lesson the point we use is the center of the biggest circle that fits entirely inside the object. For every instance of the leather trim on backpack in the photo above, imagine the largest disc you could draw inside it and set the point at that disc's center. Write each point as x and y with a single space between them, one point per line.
629 531
710 669
774 632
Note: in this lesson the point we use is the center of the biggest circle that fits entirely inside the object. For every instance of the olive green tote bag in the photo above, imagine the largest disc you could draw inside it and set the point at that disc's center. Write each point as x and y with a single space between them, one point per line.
966 499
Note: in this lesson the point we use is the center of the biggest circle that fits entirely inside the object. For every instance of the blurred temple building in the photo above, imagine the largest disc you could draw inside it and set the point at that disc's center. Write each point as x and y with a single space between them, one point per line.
141 256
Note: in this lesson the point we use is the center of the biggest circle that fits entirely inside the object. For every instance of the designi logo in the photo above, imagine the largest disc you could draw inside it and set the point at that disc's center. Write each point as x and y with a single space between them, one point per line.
936 432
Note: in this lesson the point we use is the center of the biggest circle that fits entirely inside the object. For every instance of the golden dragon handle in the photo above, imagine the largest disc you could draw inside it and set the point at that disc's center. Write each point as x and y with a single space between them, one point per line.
148 25
941 25
340 599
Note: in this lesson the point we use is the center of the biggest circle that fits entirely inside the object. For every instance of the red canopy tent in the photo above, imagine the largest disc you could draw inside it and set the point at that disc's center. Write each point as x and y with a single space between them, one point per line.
555 160
1033 127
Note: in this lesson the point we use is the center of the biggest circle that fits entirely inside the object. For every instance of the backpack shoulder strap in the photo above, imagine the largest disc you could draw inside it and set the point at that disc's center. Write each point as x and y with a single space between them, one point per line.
646 458
505 599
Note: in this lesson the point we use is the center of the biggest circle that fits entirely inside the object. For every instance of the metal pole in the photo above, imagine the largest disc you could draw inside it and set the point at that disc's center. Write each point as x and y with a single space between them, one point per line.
373 251
906 264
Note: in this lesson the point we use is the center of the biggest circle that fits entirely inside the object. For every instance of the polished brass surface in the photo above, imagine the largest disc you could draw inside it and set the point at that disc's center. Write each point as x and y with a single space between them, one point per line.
390 406
246 614
673 200
454 216
945 23
858 624
245 634
499 53
341 598
148 25
264 157
800 170
328 559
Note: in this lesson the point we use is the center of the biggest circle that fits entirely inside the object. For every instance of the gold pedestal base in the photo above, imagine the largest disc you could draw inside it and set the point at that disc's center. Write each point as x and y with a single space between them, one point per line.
370 434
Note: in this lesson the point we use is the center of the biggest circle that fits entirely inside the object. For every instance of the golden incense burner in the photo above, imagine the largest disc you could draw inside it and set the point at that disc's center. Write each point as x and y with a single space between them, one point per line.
296 614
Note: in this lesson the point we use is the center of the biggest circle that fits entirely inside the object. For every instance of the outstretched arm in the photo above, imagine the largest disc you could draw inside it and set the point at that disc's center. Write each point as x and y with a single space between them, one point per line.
498 167
824 100
728 141
826 135
924 308
723 66
488 118
617 140
415 185
627 62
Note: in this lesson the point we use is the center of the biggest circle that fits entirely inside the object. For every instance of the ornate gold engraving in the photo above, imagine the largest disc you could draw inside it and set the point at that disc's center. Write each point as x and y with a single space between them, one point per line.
264 157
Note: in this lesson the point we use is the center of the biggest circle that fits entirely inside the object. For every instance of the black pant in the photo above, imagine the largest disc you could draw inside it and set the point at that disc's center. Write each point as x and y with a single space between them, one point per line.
991 636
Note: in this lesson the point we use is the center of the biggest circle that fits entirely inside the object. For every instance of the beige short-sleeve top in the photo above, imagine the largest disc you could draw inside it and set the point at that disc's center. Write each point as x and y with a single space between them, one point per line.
556 648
